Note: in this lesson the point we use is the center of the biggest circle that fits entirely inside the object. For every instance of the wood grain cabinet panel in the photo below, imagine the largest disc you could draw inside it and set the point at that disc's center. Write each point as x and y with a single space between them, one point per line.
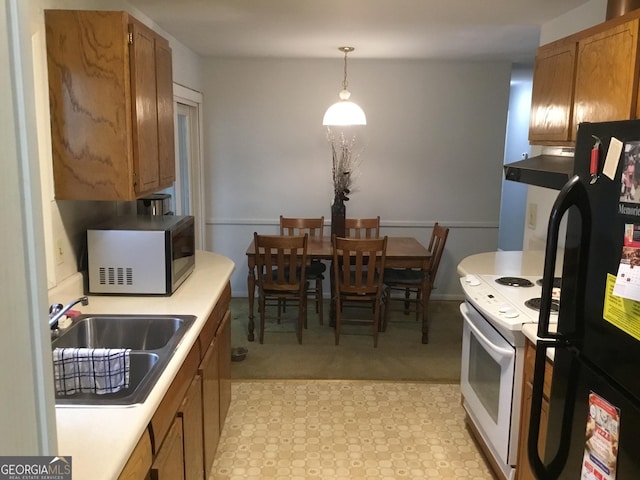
606 75
224 359
139 463
169 462
590 76
209 370
191 414
552 92
523 467
110 98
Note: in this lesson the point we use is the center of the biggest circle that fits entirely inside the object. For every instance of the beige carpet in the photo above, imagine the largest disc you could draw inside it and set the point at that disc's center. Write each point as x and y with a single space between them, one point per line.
399 356
345 430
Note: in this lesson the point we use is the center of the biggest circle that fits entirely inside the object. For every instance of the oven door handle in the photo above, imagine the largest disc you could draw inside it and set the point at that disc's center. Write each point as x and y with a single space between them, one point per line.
488 345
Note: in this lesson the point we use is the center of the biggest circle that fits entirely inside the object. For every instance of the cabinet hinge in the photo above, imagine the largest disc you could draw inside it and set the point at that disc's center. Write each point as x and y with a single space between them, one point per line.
130 38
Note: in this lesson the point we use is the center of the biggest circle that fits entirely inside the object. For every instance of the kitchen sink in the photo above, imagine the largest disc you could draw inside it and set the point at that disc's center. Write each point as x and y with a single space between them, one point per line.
137 332
152 339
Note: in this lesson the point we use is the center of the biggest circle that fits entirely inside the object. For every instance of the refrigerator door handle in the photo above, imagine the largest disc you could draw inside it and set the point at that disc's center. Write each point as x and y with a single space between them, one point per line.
553 469
573 194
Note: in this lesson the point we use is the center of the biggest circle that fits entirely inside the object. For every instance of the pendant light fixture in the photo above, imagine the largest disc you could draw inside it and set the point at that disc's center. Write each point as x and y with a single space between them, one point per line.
344 112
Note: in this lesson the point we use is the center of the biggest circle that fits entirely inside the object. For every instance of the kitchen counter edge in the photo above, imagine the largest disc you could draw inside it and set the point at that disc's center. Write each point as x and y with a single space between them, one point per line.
101 439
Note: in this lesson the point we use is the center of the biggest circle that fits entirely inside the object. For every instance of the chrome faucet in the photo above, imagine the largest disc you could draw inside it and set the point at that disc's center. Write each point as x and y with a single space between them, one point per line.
56 311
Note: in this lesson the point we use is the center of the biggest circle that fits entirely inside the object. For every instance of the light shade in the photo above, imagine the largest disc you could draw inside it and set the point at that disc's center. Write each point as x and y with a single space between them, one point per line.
344 112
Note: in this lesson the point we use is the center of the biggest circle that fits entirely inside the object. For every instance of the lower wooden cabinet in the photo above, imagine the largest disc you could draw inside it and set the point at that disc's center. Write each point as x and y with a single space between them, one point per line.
523 469
169 461
183 435
191 414
224 336
140 460
210 372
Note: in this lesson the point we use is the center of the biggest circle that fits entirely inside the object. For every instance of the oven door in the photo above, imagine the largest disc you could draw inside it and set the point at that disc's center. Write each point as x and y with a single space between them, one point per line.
487 383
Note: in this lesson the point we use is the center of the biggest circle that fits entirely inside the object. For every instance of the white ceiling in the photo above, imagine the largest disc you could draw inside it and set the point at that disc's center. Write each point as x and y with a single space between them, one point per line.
451 29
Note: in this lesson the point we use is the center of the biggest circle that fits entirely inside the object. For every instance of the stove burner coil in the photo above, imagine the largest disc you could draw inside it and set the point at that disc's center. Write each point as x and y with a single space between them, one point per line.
534 304
514 282
557 282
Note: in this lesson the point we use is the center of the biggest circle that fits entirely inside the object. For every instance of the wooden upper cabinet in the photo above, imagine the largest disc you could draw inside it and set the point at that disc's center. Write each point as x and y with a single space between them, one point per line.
110 96
166 139
591 76
552 92
606 76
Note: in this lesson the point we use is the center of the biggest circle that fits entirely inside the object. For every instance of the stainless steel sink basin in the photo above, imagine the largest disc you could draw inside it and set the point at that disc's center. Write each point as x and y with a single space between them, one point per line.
152 339
137 332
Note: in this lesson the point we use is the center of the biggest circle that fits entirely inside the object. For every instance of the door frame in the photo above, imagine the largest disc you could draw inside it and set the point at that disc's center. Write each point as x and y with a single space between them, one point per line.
186 96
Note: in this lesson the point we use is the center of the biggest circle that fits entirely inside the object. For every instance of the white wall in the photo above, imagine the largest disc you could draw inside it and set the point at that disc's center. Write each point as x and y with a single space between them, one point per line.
581 18
433 150
514 195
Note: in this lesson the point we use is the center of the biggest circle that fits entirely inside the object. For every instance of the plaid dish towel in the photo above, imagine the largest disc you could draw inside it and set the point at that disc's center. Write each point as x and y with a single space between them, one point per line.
90 370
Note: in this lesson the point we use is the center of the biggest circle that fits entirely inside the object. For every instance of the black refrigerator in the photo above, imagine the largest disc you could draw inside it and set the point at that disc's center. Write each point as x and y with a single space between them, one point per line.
593 427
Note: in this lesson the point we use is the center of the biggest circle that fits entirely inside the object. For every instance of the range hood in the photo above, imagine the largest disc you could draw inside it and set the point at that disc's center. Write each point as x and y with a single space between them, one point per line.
550 171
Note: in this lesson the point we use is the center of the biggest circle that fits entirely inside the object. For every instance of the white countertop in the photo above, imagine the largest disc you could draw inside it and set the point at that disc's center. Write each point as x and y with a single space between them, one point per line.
100 439
530 331
527 262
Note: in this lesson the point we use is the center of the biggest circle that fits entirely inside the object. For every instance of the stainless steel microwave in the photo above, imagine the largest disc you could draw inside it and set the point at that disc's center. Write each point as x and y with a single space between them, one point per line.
140 255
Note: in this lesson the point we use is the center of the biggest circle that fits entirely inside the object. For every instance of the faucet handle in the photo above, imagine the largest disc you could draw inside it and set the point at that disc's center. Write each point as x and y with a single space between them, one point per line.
54 308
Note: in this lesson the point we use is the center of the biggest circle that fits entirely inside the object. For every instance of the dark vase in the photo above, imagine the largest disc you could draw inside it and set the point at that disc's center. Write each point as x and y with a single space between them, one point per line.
338 214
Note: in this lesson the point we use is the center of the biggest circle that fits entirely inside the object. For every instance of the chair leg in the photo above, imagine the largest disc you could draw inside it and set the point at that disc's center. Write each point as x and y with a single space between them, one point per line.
319 299
302 317
407 303
338 314
376 322
261 312
386 301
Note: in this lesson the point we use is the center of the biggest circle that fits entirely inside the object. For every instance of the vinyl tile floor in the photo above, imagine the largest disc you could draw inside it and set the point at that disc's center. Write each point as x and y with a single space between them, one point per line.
342 429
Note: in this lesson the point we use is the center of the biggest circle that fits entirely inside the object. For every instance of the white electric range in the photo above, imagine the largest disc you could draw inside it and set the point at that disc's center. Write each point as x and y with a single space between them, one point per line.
495 309
508 302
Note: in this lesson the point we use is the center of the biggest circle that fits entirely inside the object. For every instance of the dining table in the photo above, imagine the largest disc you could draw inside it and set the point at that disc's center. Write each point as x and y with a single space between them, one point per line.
402 252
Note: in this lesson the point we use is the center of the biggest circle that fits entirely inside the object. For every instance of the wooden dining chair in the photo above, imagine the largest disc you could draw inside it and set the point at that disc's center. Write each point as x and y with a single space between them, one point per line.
362 227
358 266
415 284
281 263
314 227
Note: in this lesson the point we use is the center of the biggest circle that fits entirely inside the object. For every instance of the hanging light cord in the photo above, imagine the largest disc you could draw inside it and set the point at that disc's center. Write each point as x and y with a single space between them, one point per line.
344 82
345 50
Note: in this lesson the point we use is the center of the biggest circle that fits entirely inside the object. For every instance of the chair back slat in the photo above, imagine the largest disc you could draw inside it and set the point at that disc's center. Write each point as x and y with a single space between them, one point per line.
359 264
436 247
281 261
314 227
362 227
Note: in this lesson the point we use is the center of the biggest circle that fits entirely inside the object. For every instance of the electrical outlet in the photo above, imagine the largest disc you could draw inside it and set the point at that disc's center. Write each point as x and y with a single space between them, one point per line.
532 215
59 252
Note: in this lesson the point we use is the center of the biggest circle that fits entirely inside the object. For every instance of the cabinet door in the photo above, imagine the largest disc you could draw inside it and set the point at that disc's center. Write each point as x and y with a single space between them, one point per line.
144 108
89 102
606 75
139 463
169 462
552 93
209 371
166 141
224 359
191 414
